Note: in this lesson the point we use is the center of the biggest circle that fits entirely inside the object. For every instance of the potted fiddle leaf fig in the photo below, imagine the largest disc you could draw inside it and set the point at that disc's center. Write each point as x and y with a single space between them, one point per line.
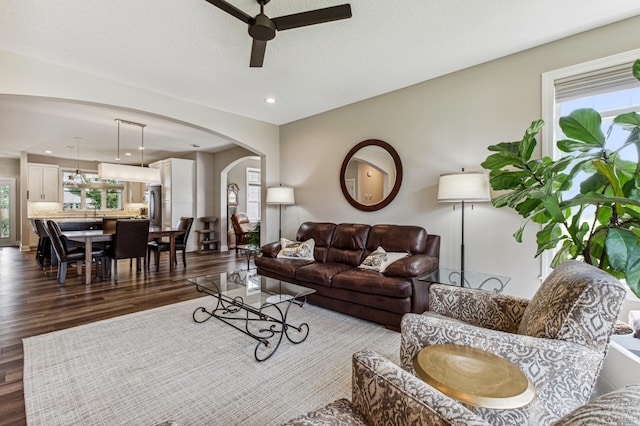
587 202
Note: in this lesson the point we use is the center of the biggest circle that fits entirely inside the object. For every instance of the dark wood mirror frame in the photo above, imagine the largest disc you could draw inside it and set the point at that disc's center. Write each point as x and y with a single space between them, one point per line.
396 186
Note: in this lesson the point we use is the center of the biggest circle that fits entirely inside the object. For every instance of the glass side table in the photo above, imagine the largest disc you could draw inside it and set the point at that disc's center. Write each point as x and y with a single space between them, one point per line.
477 280
249 250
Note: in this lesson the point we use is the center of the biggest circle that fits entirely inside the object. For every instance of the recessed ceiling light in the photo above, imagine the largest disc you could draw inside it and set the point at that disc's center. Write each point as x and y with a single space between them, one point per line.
128 154
47 152
270 100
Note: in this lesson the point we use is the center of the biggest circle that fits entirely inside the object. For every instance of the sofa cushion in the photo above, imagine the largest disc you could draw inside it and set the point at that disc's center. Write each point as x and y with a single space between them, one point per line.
397 238
348 243
322 233
369 281
380 259
320 273
285 268
301 250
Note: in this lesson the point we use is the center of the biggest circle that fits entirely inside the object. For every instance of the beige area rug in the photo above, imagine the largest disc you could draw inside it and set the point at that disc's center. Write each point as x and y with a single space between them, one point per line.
158 365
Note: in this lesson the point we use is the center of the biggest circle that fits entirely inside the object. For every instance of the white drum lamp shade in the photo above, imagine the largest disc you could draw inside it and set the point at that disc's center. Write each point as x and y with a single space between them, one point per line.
280 195
470 186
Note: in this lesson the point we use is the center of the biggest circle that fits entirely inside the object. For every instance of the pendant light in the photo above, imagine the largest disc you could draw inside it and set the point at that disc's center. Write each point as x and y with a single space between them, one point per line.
77 178
123 172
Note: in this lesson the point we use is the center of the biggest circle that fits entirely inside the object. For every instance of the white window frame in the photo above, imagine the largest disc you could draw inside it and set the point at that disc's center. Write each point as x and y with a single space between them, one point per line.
253 185
83 194
550 115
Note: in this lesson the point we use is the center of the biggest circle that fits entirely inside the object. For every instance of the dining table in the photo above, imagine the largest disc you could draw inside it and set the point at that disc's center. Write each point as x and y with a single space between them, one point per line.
89 236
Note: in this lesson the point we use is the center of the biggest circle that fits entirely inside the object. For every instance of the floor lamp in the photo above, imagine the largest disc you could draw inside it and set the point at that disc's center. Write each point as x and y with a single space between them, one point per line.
280 195
461 187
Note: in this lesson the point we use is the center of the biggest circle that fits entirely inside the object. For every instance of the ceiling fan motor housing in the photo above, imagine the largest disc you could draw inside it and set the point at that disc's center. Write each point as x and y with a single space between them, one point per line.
262 28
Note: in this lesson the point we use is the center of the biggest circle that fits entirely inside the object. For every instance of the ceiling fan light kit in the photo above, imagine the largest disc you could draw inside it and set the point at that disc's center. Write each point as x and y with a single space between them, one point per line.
262 28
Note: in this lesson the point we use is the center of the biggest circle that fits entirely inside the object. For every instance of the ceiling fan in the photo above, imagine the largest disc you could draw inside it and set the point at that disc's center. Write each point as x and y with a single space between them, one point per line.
262 28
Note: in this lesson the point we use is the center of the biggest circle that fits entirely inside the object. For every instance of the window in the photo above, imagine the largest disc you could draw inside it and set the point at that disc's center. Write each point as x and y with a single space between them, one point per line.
94 195
605 85
253 194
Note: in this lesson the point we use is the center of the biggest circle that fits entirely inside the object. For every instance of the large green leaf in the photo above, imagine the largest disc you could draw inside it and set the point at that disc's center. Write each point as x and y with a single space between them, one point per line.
636 69
595 198
570 145
629 118
529 140
506 180
511 147
500 160
583 125
623 251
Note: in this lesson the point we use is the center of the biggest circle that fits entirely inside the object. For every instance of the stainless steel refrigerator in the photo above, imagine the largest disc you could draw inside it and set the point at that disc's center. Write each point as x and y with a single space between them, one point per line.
155 205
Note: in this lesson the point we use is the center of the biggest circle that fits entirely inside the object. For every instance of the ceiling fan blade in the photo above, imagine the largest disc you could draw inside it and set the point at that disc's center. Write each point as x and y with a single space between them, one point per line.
257 53
312 17
231 10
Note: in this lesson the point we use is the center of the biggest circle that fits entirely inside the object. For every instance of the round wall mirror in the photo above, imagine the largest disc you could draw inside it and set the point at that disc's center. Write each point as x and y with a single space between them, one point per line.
371 175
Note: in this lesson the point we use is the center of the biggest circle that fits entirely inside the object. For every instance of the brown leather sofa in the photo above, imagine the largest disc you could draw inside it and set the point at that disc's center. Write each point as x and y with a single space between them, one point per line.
341 286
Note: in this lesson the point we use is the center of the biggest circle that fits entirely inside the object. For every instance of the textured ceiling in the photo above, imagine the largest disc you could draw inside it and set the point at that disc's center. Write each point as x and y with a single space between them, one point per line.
192 50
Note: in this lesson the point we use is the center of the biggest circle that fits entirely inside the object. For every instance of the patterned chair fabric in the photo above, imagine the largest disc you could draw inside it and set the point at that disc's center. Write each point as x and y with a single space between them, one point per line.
562 354
385 394
617 408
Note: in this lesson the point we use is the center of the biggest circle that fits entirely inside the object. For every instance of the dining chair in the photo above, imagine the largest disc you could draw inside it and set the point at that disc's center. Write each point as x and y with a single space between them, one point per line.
66 254
180 244
129 242
43 252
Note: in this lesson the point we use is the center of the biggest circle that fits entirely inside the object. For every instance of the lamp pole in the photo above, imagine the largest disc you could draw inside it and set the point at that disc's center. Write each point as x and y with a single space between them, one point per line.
462 250
461 187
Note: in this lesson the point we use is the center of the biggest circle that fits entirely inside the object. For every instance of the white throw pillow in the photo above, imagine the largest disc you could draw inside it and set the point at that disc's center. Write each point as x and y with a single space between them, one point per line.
380 259
296 249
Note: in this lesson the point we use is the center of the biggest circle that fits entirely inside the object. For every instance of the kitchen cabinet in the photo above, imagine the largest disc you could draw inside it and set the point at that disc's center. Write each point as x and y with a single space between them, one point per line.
178 180
43 182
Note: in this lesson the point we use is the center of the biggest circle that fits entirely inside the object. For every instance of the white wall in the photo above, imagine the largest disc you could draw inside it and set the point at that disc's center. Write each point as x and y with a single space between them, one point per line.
440 126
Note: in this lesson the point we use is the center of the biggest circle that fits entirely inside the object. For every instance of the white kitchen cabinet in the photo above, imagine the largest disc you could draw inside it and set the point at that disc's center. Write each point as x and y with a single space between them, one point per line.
43 182
178 177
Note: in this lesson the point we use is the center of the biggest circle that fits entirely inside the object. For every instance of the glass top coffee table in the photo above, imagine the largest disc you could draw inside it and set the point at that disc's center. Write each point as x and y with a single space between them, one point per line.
255 305
469 279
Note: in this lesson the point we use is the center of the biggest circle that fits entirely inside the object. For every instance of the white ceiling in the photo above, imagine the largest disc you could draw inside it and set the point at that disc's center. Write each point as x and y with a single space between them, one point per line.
192 50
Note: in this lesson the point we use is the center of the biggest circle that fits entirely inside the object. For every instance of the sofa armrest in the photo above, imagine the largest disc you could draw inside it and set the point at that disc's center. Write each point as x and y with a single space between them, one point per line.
383 393
270 249
412 266
478 307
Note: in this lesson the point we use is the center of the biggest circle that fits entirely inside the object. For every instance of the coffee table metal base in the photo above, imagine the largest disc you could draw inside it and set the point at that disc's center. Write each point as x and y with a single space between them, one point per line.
267 325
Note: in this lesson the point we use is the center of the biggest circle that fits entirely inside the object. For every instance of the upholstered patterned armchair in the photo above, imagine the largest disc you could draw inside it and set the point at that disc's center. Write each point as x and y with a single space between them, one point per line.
558 339
385 394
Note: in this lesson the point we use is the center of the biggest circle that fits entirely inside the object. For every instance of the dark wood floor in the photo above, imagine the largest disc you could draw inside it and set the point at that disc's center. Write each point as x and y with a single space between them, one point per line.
32 303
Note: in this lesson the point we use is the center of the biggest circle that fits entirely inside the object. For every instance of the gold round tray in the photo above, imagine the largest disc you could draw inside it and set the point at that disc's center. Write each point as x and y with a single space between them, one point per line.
474 376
